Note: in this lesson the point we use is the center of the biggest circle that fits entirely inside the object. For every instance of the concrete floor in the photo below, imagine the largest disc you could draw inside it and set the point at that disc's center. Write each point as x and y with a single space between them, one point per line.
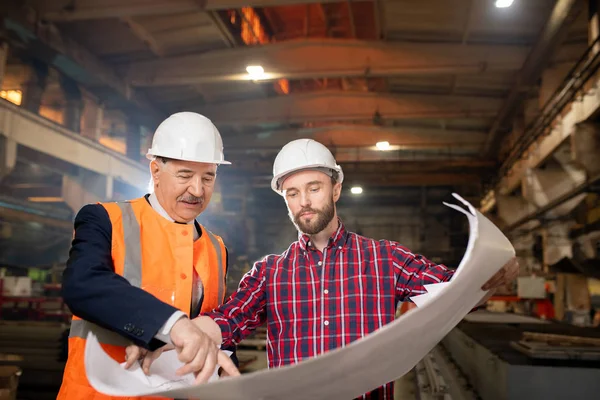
404 388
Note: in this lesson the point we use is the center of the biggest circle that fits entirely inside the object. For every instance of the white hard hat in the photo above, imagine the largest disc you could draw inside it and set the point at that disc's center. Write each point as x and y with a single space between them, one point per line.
303 154
188 136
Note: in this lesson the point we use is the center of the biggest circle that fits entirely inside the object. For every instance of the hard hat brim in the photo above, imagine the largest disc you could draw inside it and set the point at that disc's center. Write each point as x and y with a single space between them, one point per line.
275 180
150 156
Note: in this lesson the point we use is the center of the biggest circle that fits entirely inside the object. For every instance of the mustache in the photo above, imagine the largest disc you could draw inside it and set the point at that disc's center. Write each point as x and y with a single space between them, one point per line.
305 210
191 199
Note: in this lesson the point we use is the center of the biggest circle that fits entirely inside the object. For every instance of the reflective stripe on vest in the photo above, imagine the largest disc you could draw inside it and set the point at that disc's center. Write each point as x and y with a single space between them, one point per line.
217 246
80 328
132 271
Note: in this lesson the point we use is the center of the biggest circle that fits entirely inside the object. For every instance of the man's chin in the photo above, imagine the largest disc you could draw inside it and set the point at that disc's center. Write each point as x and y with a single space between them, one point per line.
307 229
189 212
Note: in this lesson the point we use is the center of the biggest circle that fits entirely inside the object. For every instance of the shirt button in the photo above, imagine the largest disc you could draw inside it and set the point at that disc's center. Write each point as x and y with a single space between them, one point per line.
326 291
183 276
320 263
340 247
184 233
325 322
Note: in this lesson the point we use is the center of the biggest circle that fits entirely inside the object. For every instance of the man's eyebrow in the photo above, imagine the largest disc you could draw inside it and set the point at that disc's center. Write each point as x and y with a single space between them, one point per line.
211 174
185 171
308 184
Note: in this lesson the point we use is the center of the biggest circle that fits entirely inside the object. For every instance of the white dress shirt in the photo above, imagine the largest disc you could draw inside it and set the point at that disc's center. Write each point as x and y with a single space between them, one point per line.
198 288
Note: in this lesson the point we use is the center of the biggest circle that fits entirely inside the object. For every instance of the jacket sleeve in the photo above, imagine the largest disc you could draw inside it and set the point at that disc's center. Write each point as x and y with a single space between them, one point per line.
94 292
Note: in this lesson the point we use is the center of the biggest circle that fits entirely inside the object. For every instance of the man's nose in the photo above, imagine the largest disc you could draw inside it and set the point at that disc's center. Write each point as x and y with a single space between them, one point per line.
196 187
304 200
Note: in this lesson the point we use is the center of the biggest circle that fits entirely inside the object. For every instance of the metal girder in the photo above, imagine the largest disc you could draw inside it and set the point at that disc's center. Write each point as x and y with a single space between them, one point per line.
414 167
96 9
416 179
348 106
26 129
408 137
563 13
307 58
33 191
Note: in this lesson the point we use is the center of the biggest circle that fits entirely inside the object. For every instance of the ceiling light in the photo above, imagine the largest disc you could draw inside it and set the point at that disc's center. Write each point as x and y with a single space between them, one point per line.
255 72
356 190
504 3
383 146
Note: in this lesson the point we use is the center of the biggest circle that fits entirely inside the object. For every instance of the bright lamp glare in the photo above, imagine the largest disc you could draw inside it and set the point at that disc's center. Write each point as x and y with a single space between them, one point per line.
383 146
255 71
356 190
504 3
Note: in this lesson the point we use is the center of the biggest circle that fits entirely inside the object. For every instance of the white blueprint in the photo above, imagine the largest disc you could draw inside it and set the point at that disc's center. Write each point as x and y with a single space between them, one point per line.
348 372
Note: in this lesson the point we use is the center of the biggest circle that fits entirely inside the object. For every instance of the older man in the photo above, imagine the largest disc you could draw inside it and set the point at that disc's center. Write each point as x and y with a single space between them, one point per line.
137 270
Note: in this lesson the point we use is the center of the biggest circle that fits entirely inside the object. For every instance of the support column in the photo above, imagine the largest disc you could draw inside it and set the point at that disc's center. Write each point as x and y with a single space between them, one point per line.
551 79
35 86
87 188
8 155
92 117
593 22
73 110
586 147
133 139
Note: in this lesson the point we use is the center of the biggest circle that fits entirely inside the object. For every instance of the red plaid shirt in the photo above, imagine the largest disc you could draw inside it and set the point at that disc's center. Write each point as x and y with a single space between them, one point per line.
314 302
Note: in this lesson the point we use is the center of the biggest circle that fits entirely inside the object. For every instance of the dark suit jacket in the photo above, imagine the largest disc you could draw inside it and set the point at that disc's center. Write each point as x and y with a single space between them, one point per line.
95 293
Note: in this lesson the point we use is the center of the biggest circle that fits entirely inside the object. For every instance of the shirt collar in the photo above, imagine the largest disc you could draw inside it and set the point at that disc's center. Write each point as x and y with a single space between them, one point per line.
337 239
155 204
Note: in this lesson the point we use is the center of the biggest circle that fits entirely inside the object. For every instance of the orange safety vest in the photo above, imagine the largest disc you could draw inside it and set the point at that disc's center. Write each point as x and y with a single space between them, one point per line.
156 255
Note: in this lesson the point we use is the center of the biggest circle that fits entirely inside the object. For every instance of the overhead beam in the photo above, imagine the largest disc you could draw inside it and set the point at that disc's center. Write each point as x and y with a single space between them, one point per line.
408 137
34 191
100 9
308 58
15 214
144 35
403 173
389 180
26 129
553 33
416 179
348 106
264 167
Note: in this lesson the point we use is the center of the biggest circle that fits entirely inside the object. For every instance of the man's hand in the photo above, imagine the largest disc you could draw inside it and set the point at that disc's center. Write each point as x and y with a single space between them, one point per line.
210 327
504 277
198 351
135 353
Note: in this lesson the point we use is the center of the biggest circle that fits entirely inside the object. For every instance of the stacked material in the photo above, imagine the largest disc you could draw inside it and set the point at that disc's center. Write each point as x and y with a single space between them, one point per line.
38 349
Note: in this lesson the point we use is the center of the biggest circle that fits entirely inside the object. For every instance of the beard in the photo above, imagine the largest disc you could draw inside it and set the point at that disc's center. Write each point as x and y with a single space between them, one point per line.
316 223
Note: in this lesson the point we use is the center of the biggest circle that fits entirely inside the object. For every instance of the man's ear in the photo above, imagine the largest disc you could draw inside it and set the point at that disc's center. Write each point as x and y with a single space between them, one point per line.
337 191
154 171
